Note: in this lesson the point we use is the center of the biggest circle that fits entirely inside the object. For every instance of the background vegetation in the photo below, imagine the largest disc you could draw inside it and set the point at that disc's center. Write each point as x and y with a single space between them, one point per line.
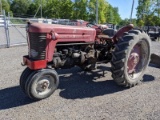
147 10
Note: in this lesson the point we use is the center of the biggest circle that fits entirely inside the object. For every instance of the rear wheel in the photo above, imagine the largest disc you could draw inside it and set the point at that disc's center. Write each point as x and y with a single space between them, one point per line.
41 84
130 58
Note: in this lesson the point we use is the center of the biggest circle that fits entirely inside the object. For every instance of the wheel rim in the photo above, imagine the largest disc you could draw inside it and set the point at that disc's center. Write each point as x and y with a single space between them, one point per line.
45 84
137 60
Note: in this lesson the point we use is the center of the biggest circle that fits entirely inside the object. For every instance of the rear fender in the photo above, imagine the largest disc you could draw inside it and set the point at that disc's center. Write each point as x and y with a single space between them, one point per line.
121 32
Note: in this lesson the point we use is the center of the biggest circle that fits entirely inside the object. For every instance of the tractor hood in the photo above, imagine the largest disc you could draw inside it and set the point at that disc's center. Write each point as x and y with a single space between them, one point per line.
60 29
64 32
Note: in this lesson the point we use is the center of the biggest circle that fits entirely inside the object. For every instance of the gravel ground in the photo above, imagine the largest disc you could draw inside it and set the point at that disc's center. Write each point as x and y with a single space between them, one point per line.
80 96
2 36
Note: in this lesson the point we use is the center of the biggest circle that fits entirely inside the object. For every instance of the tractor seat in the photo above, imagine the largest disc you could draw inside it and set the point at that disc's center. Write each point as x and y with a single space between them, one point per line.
109 32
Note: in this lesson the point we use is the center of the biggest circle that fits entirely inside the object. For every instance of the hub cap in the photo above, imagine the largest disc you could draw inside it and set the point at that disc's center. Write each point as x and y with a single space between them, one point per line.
133 59
137 60
43 86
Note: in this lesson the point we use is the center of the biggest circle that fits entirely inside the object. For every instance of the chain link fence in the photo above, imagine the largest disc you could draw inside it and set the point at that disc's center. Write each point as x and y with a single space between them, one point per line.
17 31
13 30
3 37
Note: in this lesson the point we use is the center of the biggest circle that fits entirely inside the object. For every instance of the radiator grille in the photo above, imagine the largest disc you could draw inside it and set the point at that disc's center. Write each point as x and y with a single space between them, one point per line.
37 43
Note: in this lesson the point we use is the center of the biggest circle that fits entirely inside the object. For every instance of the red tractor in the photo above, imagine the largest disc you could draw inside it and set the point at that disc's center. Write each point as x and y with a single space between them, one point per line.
58 46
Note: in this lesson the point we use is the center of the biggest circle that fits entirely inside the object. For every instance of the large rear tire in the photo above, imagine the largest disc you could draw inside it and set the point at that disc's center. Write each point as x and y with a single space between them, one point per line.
130 58
41 84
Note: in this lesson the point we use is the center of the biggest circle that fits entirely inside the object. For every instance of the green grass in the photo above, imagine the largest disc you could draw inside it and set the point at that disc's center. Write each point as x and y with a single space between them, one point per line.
18 21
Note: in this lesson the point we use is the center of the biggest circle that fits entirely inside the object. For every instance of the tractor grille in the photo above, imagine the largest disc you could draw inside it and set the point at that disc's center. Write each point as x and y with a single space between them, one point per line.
37 43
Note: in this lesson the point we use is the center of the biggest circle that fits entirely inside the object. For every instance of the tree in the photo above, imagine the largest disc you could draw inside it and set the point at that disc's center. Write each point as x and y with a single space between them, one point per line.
5 6
32 9
52 9
20 7
124 22
65 9
112 15
92 10
80 9
106 13
109 14
102 10
117 17
146 12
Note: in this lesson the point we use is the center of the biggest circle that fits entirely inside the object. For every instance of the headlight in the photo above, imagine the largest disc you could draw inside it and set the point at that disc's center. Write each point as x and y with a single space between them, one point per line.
33 53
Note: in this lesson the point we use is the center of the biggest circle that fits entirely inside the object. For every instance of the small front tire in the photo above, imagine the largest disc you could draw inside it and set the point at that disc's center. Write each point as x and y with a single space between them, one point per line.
41 84
23 78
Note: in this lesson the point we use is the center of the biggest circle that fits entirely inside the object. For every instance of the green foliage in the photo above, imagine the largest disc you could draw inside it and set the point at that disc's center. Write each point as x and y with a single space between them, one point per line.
124 22
65 9
102 10
148 13
51 9
134 22
32 9
80 9
20 7
113 16
18 21
5 6
107 13
92 10
117 16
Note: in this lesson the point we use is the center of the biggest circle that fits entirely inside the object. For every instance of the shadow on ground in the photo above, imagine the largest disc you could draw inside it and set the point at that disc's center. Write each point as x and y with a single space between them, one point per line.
74 84
13 97
86 85
154 65
148 78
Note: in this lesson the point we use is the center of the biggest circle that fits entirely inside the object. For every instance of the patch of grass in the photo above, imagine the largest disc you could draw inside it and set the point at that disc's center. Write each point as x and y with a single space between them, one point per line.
18 21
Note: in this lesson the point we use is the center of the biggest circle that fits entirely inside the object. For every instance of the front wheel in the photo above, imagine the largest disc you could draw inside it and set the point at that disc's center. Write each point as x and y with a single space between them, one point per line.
23 78
130 58
41 84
